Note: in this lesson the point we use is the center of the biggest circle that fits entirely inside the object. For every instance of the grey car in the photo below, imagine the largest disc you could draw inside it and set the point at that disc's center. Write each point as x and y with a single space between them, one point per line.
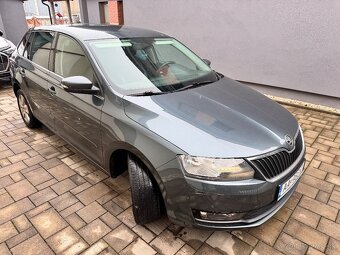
205 149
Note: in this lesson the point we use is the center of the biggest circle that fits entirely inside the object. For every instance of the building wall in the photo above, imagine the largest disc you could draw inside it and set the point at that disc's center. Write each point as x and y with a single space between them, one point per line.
74 7
114 7
93 8
116 12
13 19
289 44
36 8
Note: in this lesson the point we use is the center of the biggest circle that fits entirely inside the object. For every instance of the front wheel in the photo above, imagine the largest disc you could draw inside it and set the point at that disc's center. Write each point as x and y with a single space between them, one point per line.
26 112
146 197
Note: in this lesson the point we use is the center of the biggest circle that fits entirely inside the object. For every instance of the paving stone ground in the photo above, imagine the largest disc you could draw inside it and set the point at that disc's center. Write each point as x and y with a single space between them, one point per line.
52 200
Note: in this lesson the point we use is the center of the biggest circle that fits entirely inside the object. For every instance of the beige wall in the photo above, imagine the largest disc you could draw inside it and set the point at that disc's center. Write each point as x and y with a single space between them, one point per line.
74 7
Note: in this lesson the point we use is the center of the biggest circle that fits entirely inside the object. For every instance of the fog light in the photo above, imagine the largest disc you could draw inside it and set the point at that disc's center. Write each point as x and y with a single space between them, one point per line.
213 216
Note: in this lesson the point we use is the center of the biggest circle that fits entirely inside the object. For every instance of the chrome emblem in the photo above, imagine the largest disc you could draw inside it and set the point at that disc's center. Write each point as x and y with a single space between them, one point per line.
289 140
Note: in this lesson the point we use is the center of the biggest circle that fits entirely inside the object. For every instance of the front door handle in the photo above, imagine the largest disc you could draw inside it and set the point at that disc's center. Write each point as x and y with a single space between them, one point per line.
52 91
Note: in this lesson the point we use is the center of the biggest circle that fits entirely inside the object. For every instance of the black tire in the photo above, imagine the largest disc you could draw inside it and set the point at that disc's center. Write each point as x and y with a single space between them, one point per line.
146 197
26 112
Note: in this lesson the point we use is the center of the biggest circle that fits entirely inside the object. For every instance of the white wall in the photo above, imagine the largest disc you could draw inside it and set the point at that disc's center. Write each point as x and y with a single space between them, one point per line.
291 44
13 19
93 8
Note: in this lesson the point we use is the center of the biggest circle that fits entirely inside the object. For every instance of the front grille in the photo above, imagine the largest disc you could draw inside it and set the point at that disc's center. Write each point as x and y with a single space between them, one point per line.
3 62
273 165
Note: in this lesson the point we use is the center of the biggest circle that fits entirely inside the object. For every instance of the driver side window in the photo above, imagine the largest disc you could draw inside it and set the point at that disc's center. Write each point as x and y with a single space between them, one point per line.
70 59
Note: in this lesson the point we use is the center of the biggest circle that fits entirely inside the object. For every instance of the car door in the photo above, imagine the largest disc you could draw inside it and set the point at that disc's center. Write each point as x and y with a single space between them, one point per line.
33 68
77 116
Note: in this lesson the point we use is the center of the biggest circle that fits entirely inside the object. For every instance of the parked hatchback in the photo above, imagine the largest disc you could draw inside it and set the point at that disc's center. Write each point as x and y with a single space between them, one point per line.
206 149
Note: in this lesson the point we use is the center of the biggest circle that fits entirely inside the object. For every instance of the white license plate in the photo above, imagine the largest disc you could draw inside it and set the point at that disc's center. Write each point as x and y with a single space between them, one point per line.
286 186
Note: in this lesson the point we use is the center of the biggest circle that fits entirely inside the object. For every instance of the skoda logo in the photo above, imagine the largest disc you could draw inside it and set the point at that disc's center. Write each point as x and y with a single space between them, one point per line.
289 140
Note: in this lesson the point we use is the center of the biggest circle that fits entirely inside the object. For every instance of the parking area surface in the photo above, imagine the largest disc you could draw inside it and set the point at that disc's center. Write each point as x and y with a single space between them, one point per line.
52 200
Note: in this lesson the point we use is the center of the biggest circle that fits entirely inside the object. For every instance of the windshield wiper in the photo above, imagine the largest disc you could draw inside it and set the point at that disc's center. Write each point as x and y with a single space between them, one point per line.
194 85
148 93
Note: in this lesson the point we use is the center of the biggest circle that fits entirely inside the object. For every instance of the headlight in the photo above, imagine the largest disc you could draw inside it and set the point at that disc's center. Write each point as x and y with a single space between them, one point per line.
217 169
9 51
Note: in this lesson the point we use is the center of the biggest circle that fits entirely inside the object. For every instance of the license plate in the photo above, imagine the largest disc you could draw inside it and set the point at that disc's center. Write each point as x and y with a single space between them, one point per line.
286 186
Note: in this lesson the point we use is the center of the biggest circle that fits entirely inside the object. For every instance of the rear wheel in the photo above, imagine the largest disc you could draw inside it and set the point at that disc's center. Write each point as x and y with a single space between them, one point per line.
146 197
26 112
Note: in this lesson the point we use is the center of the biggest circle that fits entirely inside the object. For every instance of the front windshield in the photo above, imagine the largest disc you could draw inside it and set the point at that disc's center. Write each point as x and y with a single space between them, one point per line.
140 65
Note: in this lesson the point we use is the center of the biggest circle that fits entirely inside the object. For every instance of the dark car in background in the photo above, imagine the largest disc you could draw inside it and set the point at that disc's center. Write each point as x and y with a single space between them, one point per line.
208 150
6 49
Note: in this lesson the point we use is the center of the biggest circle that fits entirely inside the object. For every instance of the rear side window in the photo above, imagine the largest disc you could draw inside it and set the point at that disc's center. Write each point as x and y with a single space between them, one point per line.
70 59
22 44
28 45
41 46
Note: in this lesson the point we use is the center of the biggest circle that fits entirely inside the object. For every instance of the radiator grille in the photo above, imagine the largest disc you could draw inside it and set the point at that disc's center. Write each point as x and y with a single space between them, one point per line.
3 62
273 165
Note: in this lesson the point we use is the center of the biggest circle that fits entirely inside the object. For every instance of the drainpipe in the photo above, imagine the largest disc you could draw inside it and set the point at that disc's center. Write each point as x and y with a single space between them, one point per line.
53 12
49 10
69 10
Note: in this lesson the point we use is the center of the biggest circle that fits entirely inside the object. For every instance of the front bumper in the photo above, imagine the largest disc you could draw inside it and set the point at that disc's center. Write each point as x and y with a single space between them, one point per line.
255 200
5 76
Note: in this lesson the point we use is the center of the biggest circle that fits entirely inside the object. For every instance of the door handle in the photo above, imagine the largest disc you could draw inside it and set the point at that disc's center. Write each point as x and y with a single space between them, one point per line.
52 91
21 71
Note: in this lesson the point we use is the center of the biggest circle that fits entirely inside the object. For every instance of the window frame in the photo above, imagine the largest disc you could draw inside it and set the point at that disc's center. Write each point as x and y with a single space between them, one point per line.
53 52
28 49
27 37
33 34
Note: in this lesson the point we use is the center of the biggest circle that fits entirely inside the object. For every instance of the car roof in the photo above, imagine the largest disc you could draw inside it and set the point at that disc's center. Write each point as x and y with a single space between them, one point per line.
90 32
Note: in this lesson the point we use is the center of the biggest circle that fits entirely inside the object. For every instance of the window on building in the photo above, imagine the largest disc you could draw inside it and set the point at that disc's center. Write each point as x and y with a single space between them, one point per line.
41 46
70 59
104 12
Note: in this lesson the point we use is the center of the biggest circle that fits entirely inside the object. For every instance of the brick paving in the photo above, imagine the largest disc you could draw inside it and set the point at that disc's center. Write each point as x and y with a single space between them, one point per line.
52 200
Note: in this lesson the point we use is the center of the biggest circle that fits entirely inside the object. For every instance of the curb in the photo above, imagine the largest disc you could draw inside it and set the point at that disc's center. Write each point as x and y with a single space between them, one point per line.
305 105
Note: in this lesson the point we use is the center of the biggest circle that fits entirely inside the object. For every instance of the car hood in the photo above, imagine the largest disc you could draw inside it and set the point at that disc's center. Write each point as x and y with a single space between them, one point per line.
223 119
4 44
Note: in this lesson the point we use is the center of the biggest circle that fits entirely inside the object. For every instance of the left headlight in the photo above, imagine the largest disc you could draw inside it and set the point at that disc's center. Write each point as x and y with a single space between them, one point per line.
9 51
216 169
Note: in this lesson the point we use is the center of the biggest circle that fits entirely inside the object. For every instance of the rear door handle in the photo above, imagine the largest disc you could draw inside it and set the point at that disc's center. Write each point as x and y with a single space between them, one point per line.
21 71
52 91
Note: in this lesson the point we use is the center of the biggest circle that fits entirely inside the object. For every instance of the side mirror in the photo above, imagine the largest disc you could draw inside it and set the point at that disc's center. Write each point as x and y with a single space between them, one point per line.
1 33
208 62
78 84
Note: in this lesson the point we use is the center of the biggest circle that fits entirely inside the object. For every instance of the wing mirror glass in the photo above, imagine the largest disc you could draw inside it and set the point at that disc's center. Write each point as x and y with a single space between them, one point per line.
78 84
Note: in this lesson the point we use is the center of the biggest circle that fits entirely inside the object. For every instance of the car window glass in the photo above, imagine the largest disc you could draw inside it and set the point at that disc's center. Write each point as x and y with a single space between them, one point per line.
70 59
28 45
22 44
170 53
40 49
137 65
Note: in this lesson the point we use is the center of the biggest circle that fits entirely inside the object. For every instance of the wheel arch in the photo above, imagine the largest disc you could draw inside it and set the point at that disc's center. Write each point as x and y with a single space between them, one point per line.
118 160
16 87
118 164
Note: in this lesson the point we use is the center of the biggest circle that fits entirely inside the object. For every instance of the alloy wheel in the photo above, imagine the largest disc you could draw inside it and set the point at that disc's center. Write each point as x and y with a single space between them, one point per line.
24 109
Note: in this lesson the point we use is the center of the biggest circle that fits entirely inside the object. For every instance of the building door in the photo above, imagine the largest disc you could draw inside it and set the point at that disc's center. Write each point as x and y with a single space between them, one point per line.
104 12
